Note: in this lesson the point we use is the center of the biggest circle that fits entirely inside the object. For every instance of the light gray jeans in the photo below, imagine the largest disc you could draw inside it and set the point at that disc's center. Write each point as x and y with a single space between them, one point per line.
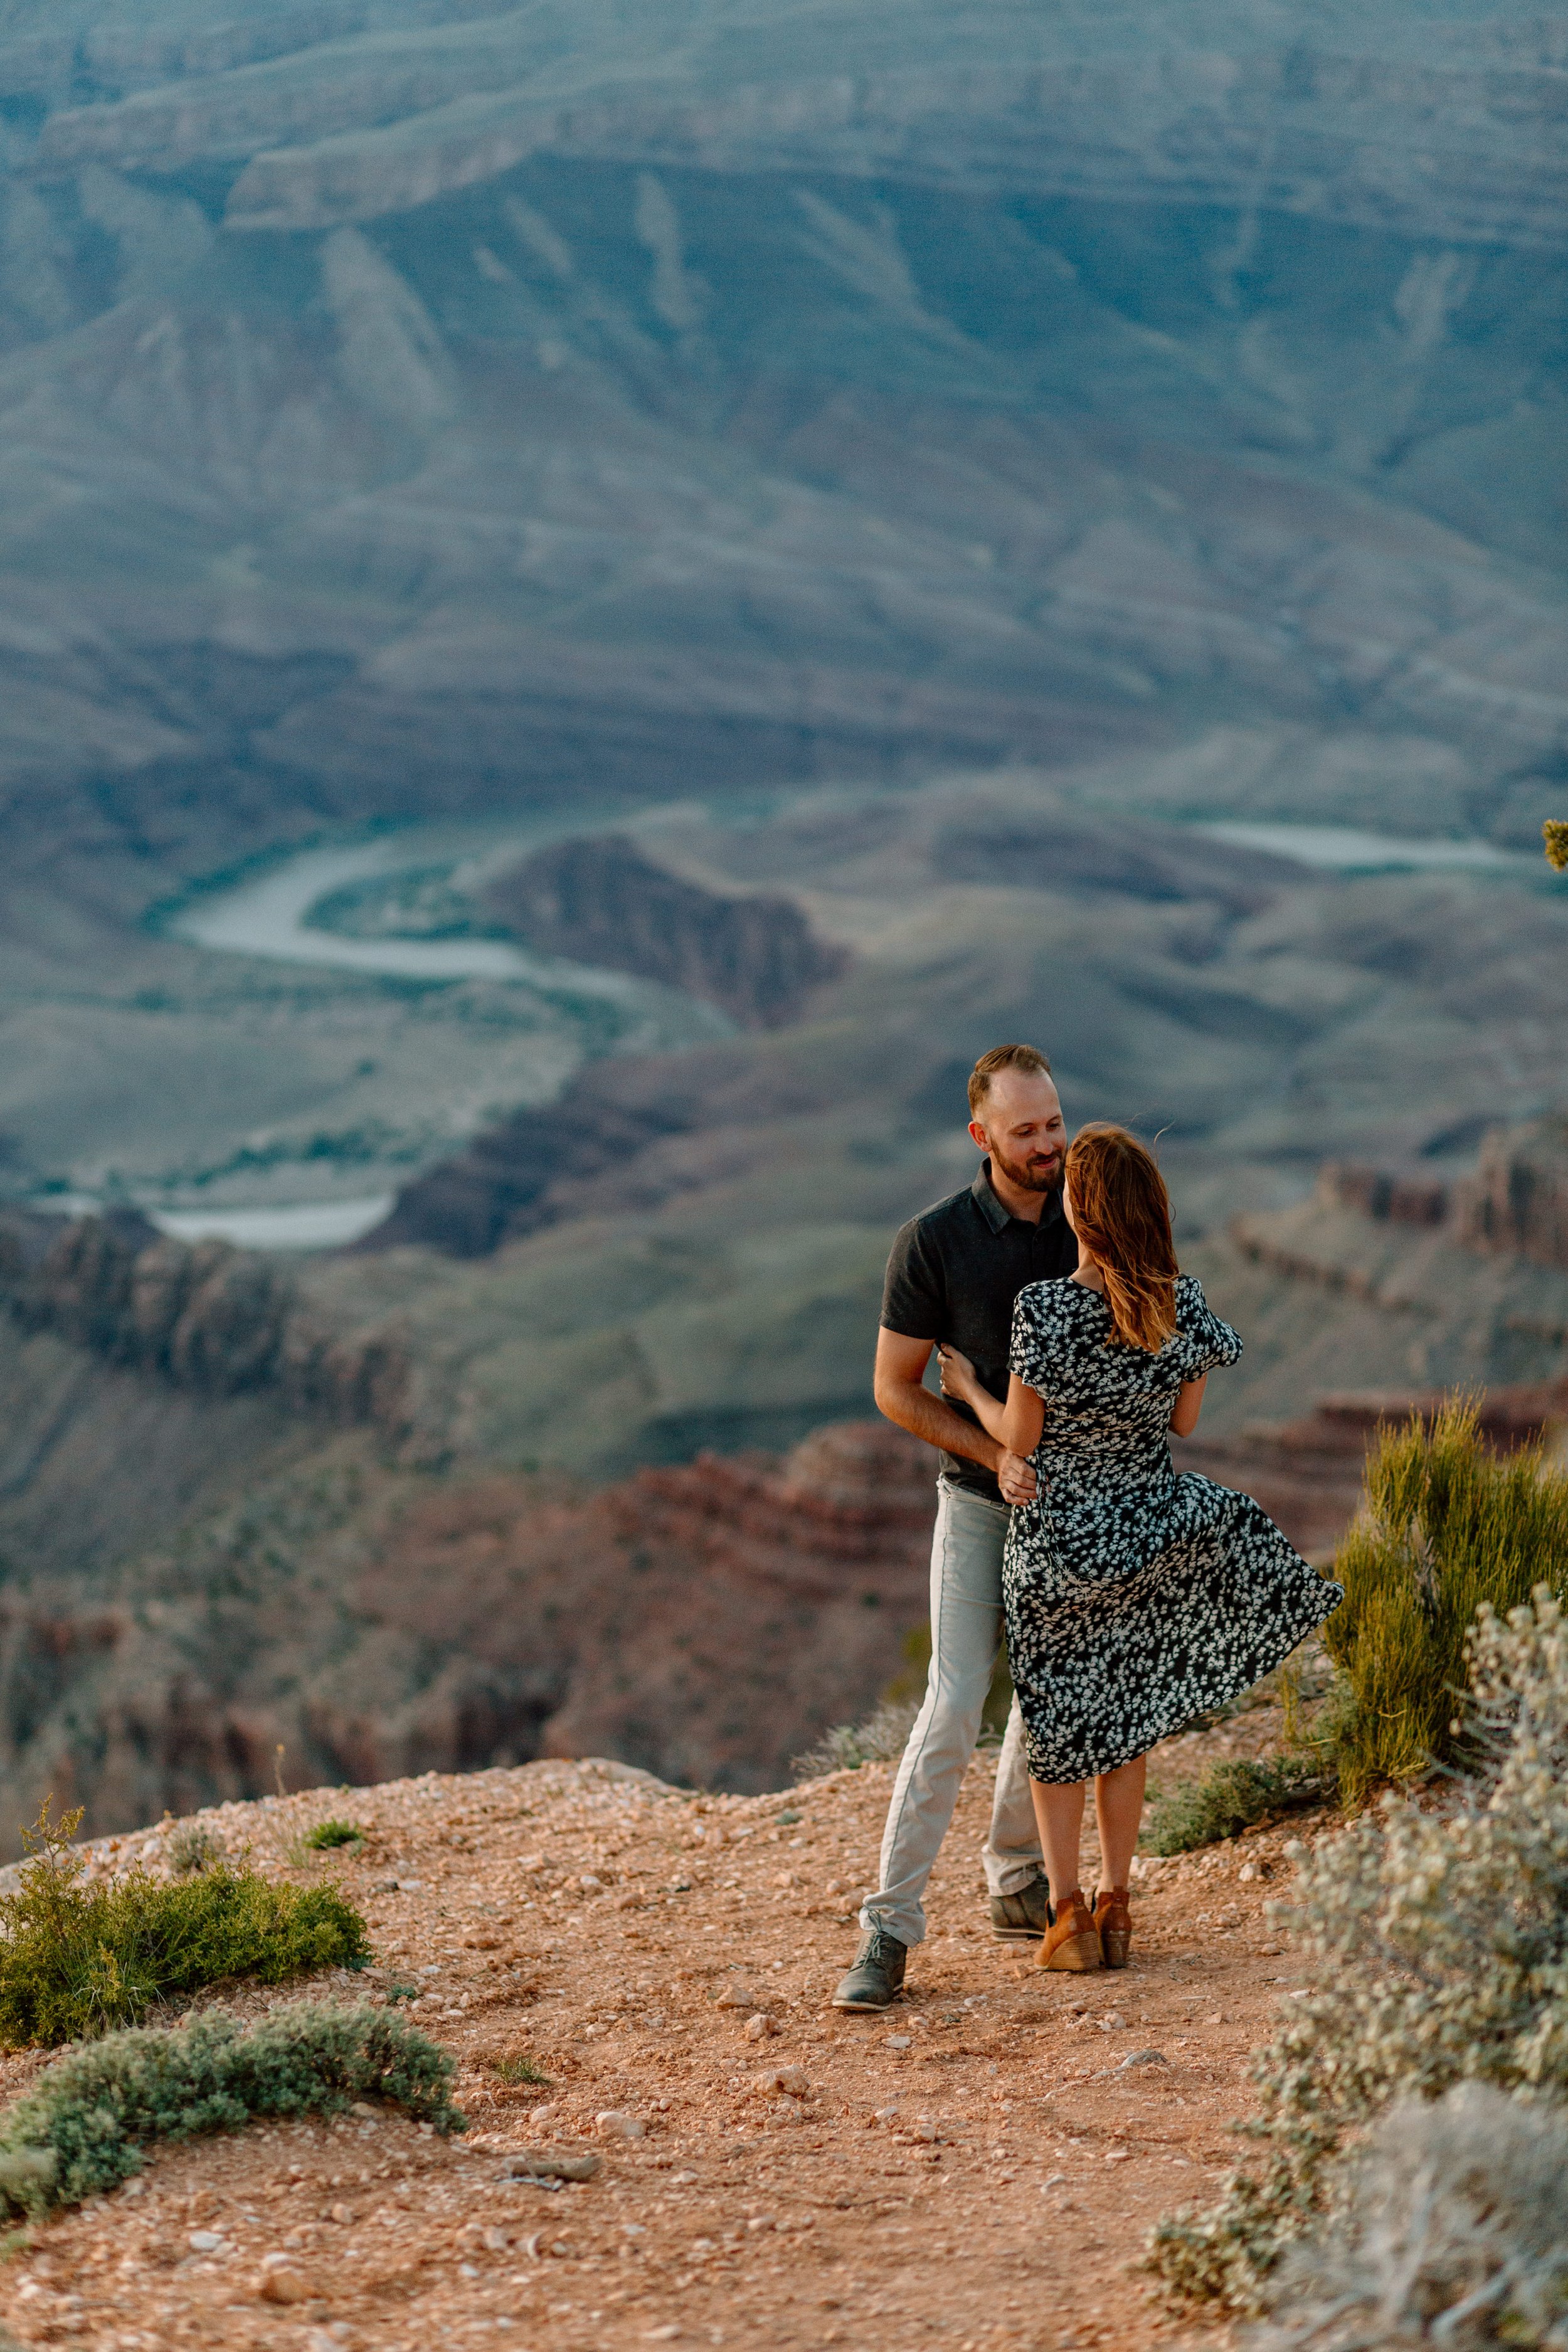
965 1635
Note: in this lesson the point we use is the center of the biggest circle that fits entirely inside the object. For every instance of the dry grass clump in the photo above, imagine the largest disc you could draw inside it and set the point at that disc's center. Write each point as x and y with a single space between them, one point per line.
1438 1945
82 2128
1448 1524
192 1847
78 1960
522 2073
877 1738
1454 2233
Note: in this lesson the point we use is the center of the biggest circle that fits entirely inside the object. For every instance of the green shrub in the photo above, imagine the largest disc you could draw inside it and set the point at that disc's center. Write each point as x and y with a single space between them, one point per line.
1437 1949
78 1960
522 2071
326 1835
1228 1799
1448 1524
82 2128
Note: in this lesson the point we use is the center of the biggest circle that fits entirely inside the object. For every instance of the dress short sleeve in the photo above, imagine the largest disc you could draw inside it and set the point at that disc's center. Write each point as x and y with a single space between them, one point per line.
1029 1354
1206 1341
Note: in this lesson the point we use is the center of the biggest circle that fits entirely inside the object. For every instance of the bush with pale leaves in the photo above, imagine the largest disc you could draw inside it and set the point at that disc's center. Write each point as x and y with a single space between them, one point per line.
1437 1942
1454 2234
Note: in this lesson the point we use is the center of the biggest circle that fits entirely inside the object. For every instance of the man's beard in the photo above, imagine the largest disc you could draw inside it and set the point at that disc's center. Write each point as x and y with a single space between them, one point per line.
1030 1176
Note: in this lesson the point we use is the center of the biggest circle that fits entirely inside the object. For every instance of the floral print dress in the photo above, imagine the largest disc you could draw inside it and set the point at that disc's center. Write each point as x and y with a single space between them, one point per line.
1136 1597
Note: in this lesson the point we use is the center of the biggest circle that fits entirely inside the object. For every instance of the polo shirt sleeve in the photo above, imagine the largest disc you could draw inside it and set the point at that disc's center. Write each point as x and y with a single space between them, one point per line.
914 1293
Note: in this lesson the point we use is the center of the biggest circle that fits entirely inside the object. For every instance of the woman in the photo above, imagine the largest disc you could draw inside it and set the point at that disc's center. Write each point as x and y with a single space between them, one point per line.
1135 1598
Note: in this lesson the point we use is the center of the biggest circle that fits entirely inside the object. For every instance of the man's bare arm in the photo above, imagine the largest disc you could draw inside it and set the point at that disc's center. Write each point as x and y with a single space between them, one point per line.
901 1398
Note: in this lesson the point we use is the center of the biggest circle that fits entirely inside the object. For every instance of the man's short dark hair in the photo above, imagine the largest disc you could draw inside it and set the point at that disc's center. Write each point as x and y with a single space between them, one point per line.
1028 1058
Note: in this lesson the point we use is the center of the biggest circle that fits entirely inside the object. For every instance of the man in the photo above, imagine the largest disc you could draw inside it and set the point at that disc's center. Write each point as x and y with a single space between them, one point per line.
952 1276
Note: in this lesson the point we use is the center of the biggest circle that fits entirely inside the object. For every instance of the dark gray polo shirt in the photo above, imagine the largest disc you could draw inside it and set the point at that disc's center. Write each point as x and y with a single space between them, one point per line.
953 1276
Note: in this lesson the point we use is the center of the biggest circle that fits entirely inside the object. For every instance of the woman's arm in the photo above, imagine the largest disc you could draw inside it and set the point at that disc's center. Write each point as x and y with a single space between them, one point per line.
1016 1424
1188 1405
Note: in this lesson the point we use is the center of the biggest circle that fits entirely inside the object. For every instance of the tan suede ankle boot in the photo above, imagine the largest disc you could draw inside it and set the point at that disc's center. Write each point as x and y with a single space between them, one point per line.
1072 1940
1113 1918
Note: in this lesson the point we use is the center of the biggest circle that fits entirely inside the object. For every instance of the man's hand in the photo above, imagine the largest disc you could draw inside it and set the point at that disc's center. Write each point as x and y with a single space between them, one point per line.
1017 1478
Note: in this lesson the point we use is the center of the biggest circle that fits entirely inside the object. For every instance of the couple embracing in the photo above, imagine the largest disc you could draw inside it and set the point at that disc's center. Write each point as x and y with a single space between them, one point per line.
1133 1599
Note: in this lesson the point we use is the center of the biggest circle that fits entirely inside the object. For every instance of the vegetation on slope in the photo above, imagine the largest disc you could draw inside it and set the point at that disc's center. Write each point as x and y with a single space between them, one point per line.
1437 1941
79 1960
1229 1798
1448 1524
83 2127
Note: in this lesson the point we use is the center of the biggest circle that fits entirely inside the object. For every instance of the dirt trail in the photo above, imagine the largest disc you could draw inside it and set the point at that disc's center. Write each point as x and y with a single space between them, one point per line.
975 2169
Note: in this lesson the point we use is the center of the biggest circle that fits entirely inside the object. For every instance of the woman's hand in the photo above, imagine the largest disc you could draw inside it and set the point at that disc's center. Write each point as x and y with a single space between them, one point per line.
1015 1425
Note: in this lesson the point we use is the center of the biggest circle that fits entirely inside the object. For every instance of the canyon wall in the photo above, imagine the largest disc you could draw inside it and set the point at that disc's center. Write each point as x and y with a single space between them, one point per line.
602 902
201 1316
707 1622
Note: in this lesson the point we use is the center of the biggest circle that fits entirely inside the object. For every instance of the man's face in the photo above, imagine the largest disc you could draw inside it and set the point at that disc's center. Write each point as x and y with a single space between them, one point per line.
1020 1125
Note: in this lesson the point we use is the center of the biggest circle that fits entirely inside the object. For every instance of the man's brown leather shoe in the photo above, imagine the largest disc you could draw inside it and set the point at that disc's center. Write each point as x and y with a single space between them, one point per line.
1072 1940
1113 1918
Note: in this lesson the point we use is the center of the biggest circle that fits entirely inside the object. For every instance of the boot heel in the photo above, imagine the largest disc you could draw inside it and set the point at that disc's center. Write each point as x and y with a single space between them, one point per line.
1072 1940
1078 1954
1113 1918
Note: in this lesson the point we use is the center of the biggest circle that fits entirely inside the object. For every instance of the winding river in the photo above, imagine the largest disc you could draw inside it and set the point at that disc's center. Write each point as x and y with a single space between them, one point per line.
269 916
1347 849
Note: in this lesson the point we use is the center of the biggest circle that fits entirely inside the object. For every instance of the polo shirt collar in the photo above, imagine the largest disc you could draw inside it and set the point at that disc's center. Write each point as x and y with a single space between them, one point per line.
991 1208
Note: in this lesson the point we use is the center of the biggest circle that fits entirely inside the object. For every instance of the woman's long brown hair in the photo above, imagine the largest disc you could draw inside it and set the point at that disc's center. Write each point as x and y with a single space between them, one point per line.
1122 1212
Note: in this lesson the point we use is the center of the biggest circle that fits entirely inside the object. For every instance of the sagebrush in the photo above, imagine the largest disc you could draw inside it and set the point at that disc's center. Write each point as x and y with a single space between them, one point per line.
1447 1525
192 1847
77 1959
82 2127
1453 2232
876 1739
1437 1937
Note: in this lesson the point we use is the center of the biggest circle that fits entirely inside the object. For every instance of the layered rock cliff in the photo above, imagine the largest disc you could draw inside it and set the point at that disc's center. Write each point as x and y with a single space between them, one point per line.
201 1316
631 406
602 902
705 1621
1395 1280
1084 335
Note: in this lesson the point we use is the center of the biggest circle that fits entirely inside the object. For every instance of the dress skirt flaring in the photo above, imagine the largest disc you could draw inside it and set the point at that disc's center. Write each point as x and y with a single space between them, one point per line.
1137 1596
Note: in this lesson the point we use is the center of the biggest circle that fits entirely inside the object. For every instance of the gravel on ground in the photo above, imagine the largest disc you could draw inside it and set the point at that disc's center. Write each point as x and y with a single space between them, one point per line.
637 1978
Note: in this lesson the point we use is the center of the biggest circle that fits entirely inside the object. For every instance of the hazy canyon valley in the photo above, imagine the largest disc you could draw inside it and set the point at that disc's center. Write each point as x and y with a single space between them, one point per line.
590 605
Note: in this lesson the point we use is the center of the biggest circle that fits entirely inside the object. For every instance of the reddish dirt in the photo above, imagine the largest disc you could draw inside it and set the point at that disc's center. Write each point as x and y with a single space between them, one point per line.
977 2168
